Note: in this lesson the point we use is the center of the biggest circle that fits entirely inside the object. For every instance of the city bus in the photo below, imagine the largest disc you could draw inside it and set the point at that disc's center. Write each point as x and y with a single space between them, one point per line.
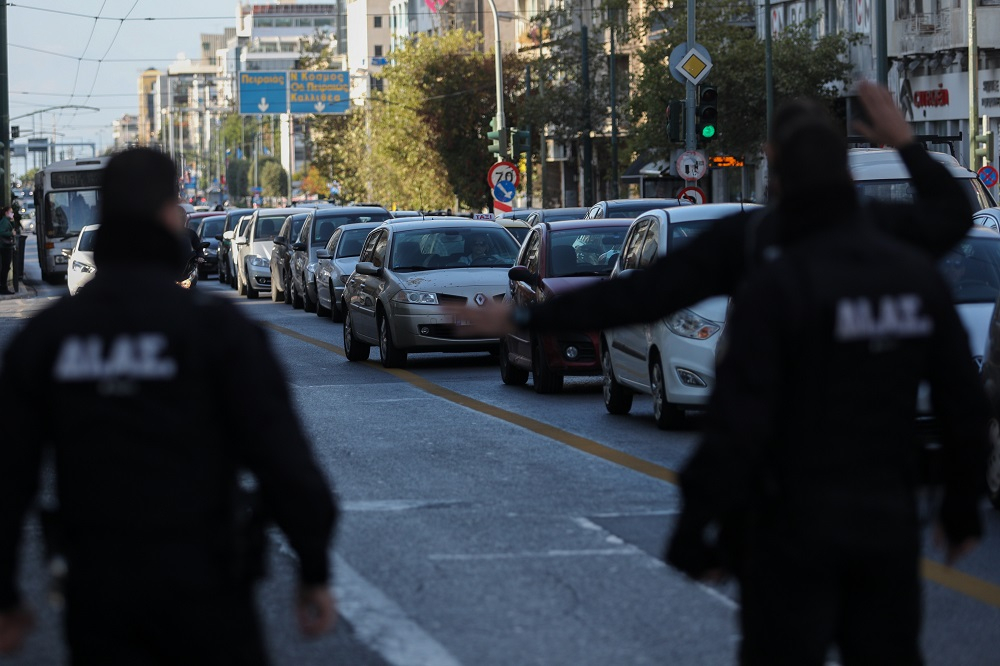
67 195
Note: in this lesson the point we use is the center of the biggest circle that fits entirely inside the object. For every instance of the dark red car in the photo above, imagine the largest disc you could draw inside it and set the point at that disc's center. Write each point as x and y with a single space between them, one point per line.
557 257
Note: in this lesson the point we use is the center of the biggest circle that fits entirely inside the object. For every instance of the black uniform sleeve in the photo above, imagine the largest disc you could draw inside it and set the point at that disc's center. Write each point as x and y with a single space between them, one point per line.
271 443
961 407
712 264
941 213
720 479
20 460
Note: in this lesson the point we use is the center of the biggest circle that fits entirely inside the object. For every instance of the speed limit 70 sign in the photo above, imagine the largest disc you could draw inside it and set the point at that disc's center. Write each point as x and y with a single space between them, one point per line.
503 171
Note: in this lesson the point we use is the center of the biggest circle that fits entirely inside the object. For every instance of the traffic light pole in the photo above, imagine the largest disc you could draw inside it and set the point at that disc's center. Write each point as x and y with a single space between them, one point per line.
690 139
498 63
4 105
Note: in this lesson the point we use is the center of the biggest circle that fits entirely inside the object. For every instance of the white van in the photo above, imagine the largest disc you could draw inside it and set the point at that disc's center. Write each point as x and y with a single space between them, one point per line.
879 173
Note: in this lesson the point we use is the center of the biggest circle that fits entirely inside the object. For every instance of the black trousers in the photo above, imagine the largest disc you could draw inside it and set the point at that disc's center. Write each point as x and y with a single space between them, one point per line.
799 599
139 625
6 257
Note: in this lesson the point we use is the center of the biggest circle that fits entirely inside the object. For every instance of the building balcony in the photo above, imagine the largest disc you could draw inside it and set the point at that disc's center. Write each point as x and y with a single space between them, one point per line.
944 30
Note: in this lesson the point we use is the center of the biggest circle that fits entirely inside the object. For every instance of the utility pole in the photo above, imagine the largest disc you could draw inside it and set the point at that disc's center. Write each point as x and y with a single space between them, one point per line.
4 106
501 124
768 67
529 169
973 84
881 46
614 109
586 139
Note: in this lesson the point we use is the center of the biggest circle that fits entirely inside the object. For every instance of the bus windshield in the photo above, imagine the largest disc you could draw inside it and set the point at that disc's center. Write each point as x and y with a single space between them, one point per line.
69 212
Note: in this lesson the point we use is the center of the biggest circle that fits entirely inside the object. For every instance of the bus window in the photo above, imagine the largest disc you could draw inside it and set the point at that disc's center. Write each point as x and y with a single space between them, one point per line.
71 211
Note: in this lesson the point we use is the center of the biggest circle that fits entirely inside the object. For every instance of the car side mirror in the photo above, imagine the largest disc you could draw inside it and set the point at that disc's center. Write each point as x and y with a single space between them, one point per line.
205 244
228 235
368 268
242 240
299 247
522 274
66 252
280 240
219 237
323 254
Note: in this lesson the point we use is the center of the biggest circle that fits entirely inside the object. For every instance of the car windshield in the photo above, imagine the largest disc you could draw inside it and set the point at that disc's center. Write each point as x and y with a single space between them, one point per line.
324 226
577 252
972 270
902 191
267 227
351 242
452 247
626 211
87 241
557 215
681 233
212 227
520 233
69 212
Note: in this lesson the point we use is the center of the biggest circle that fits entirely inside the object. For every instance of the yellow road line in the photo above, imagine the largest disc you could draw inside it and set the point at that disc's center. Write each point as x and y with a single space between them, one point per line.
936 572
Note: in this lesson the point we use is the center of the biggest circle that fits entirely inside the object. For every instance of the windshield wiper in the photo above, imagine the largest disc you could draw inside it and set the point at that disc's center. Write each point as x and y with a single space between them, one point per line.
71 234
410 268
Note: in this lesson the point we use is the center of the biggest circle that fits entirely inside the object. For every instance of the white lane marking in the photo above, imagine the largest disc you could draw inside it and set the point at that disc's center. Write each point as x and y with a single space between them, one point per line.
395 504
474 557
382 625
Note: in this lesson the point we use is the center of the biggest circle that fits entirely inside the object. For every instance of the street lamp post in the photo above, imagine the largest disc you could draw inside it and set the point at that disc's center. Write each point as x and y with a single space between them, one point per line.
498 62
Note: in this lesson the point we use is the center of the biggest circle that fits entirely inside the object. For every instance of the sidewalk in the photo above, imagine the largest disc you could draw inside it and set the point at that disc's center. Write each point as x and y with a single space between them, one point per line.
27 288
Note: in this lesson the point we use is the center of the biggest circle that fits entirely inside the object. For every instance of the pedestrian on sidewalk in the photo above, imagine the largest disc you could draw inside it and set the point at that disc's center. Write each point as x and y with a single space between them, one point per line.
158 522
8 241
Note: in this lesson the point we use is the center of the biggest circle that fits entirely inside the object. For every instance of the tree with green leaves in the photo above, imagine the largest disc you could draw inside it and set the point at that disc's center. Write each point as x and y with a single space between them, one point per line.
274 179
803 66
237 179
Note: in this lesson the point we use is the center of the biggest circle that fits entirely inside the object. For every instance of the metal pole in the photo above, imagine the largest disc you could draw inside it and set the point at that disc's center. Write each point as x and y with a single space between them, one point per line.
4 108
529 168
973 84
587 140
614 111
498 63
881 46
690 139
768 66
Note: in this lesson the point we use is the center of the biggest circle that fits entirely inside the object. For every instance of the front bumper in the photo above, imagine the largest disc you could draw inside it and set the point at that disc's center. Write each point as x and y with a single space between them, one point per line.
259 277
689 366
573 353
425 328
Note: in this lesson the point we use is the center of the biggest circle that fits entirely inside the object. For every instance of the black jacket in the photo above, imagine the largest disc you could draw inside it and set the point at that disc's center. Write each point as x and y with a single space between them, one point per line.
716 261
108 380
811 428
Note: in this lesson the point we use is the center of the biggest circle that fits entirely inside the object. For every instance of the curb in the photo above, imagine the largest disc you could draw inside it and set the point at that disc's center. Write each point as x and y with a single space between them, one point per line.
26 291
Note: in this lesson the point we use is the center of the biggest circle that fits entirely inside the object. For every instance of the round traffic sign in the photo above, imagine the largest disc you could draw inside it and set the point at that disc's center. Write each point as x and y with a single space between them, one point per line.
503 171
989 175
692 165
693 194
504 191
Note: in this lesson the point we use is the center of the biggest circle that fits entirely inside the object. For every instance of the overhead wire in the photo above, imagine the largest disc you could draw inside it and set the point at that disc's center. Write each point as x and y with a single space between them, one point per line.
79 61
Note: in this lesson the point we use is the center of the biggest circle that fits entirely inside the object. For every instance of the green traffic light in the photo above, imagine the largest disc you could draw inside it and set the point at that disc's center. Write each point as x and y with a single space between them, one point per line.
708 131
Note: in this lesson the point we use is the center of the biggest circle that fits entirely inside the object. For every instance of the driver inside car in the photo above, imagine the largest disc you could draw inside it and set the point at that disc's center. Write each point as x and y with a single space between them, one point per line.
476 250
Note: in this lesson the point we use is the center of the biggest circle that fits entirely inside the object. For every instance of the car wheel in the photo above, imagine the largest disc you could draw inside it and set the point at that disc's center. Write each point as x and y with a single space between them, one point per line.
667 415
308 304
510 374
336 310
232 278
392 356
354 350
223 278
993 464
545 379
276 296
252 293
296 299
241 287
617 398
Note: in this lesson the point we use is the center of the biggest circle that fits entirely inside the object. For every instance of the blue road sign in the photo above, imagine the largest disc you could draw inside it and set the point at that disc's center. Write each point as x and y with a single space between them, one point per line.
263 93
988 174
380 61
319 91
504 191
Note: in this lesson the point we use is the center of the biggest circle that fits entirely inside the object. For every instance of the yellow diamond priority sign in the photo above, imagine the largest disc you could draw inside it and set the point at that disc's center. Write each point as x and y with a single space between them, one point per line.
694 66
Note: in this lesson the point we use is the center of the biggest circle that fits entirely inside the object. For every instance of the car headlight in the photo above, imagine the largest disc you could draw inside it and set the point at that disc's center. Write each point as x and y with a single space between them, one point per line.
83 268
689 325
416 297
259 262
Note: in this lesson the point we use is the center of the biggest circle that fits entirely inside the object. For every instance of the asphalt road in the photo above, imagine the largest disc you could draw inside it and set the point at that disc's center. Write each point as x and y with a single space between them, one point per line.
486 524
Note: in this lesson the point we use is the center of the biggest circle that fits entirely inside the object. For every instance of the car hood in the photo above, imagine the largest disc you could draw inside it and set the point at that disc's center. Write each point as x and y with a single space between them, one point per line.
454 278
560 285
712 309
976 319
263 249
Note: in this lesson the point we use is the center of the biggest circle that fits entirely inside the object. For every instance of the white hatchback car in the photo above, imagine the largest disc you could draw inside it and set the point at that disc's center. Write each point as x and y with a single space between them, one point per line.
80 259
672 359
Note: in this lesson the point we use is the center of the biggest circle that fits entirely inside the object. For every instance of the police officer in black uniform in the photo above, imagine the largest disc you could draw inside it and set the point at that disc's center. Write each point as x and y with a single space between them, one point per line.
805 483
153 521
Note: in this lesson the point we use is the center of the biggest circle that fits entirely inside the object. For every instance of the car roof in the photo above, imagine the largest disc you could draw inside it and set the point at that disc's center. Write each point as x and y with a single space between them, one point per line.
358 225
654 202
347 210
444 223
280 211
706 211
572 225
90 227
886 164
513 223
982 232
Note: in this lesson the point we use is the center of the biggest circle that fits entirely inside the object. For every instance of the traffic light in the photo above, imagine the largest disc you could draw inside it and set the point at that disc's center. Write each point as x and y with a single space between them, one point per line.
984 150
708 113
498 139
521 141
675 121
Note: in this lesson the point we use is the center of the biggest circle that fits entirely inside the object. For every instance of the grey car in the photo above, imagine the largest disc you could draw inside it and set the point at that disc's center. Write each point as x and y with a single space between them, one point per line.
314 236
407 276
336 264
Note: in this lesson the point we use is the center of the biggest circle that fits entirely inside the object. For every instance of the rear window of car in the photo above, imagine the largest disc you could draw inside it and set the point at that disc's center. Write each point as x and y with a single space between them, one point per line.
903 191
324 226
682 233
212 228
